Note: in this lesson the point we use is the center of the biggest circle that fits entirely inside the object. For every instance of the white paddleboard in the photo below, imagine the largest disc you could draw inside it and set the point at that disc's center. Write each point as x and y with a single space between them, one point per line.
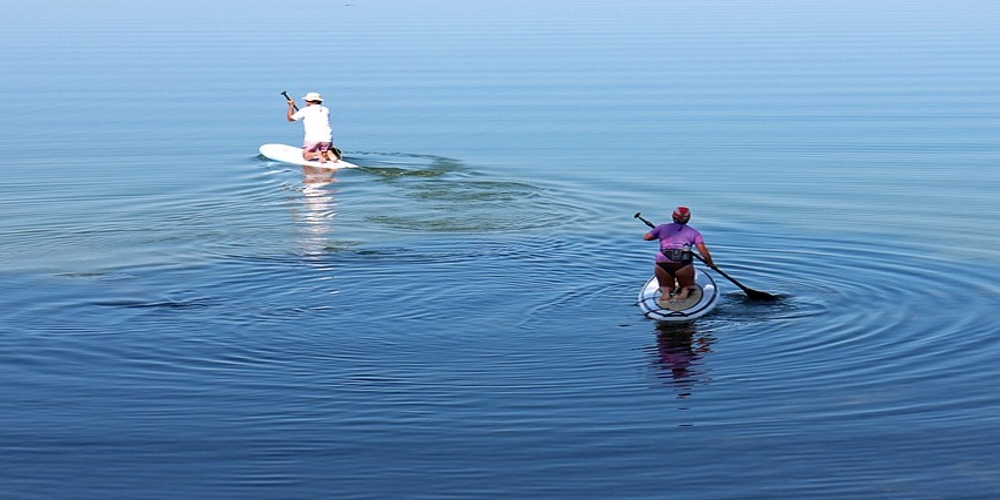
697 305
291 154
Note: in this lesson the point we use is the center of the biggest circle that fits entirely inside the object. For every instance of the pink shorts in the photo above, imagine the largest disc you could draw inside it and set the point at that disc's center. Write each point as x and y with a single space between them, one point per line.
312 147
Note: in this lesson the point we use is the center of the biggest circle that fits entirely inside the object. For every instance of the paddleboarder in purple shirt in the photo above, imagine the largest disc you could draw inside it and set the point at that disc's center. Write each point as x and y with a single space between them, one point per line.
674 264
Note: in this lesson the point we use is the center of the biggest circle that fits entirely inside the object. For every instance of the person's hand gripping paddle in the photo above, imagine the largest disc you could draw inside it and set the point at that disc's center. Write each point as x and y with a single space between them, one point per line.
289 99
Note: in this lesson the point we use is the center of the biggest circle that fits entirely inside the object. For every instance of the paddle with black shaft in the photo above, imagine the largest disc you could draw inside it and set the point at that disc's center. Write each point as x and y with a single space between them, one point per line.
751 293
285 93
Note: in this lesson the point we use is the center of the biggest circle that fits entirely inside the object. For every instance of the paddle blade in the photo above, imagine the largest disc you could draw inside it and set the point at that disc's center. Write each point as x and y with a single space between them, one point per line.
759 295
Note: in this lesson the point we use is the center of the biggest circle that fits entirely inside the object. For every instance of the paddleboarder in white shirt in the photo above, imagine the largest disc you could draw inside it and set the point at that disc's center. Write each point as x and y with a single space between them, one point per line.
318 141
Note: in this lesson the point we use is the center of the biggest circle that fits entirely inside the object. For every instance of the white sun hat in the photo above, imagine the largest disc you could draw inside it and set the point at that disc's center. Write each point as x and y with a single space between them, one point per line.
313 97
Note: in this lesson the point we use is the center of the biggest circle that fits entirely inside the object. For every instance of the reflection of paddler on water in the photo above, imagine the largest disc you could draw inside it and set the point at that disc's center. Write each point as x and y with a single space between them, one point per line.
317 176
314 217
674 269
678 354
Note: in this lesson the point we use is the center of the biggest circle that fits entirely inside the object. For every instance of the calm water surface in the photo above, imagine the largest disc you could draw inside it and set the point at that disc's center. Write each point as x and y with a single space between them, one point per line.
456 318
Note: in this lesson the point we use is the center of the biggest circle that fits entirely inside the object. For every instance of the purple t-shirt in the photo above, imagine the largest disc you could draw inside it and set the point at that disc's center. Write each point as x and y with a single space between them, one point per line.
675 236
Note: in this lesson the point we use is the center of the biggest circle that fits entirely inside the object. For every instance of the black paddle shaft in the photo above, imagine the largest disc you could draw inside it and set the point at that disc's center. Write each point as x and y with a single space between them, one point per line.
638 215
751 293
285 93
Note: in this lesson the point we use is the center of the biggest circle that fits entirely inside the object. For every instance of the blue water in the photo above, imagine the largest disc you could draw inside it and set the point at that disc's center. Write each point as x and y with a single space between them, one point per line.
456 318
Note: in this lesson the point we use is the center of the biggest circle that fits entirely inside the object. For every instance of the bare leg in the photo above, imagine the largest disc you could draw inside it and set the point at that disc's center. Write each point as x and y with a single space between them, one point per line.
308 155
666 282
685 281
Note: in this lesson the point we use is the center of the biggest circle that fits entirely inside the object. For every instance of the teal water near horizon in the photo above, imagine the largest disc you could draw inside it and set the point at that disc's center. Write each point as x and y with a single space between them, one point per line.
456 318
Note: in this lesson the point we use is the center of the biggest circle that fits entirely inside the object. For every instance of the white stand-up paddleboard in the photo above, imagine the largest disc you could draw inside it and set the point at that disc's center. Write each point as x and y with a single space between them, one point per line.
293 155
698 304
